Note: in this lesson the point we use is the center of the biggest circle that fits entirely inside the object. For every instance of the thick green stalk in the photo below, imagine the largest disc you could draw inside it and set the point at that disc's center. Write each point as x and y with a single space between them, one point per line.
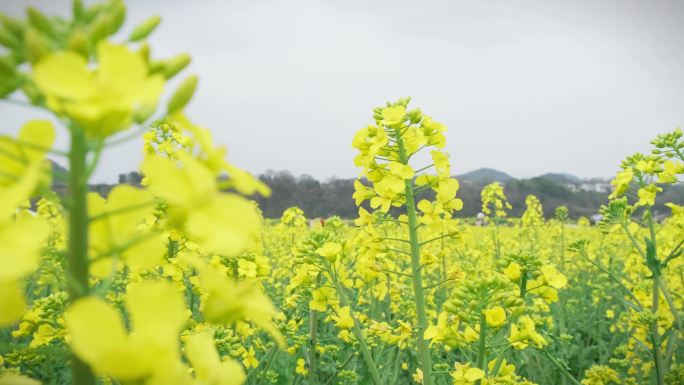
655 335
313 354
443 278
419 295
495 234
657 354
423 347
482 345
78 238
562 250
313 332
523 284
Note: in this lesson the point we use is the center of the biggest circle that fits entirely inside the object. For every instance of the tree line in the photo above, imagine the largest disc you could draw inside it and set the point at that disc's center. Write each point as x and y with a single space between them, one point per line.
322 199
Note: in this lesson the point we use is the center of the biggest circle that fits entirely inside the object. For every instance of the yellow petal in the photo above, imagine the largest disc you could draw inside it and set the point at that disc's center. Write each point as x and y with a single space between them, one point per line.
495 316
473 374
20 244
146 253
12 302
17 379
120 68
183 187
201 352
431 332
40 134
96 330
65 75
131 206
227 225
12 195
157 310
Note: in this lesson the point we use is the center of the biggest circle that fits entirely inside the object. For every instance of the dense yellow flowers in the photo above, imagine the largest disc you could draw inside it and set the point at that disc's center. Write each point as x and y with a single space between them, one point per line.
152 284
494 201
180 280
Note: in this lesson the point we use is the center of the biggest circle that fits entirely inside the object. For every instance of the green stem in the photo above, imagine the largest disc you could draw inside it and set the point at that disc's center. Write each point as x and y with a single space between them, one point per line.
313 334
273 353
419 296
495 234
443 276
482 345
670 303
561 368
612 276
562 250
78 238
655 334
499 361
523 284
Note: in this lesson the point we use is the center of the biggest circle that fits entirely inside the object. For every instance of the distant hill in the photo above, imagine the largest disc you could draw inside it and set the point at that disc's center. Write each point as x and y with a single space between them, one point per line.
485 176
334 196
59 173
561 178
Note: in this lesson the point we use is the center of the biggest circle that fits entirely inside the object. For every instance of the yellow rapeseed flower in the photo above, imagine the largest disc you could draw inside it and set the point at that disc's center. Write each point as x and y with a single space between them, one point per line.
102 101
99 337
495 316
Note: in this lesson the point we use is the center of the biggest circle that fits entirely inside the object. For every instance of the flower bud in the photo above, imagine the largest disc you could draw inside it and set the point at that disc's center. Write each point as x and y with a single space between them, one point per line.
15 27
37 46
7 66
78 42
182 95
144 29
176 65
31 91
117 12
99 29
40 22
144 112
78 9
8 40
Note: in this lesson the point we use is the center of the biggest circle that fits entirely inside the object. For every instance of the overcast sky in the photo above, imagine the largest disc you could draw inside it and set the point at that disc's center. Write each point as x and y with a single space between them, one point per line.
526 87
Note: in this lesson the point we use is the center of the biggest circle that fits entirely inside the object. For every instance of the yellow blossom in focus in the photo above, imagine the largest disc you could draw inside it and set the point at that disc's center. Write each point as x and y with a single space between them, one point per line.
301 368
647 195
330 250
553 278
464 374
621 183
512 271
417 376
393 115
495 316
343 319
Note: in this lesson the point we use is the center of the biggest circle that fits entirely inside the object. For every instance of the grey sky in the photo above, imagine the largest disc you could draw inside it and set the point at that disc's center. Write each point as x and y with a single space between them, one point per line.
526 87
